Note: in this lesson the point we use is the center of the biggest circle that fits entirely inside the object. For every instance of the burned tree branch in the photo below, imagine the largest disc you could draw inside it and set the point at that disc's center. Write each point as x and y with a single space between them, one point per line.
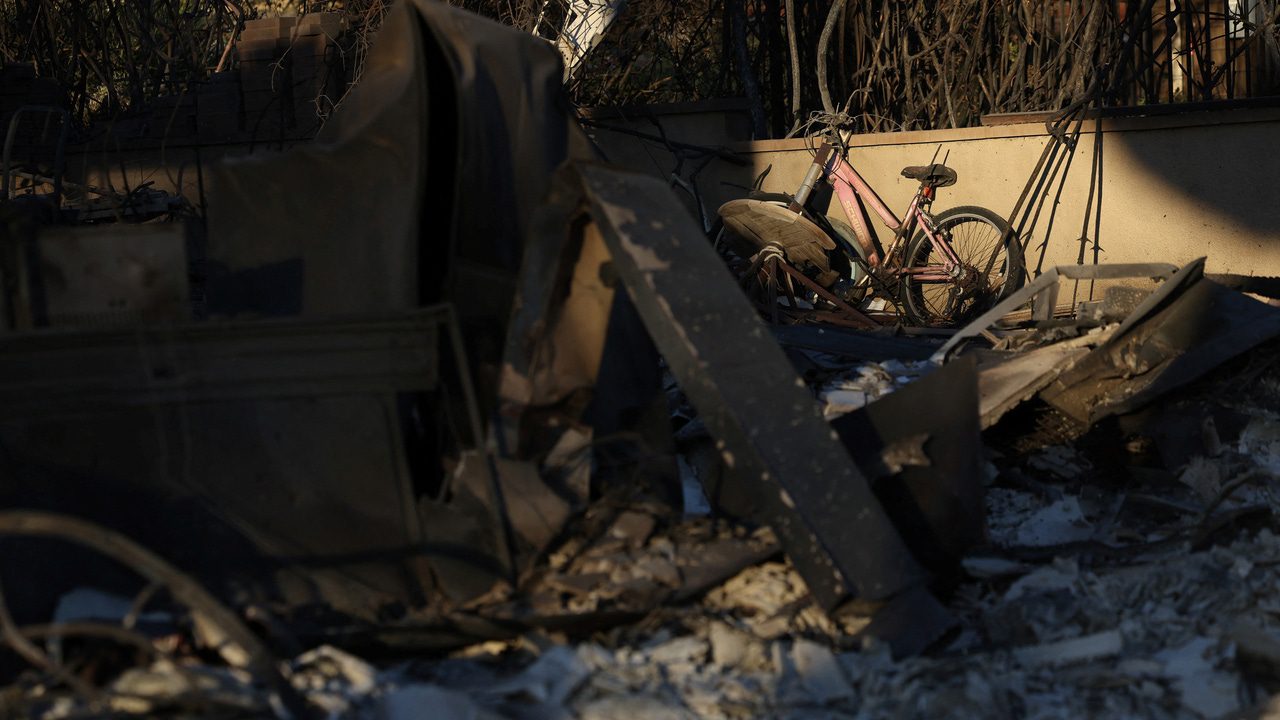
824 43
240 641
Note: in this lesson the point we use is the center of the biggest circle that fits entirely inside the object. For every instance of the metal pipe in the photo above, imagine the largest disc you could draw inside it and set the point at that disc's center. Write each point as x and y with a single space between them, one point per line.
818 167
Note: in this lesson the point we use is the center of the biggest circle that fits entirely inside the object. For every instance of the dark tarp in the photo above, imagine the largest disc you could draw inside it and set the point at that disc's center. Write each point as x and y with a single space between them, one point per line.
419 188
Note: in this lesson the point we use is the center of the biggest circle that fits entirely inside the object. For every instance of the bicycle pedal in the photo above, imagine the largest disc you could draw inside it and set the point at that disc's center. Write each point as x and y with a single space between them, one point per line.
875 305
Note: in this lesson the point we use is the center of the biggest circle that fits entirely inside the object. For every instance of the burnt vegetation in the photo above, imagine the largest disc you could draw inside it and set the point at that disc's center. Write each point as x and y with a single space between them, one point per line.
927 64
113 56
911 64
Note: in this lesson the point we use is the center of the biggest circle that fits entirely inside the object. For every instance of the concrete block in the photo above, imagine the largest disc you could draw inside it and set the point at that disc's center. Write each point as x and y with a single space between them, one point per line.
266 115
258 50
257 101
278 26
325 24
314 45
219 103
15 71
258 36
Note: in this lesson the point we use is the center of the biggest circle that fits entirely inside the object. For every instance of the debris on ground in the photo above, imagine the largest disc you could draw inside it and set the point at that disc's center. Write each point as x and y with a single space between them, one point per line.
1108 584
576 474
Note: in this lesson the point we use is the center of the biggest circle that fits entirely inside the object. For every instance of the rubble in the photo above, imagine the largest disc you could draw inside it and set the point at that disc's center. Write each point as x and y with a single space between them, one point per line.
588 480
1152 631
803 480
1088 598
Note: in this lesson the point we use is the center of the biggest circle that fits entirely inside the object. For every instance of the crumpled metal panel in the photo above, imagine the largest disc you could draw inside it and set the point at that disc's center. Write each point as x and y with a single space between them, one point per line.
1183 331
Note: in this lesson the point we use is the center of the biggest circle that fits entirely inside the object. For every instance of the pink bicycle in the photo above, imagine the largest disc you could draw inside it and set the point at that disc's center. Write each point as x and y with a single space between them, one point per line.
939 270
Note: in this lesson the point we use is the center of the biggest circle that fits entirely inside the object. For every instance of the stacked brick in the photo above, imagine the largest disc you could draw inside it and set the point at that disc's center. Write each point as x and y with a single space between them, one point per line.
318 70
19 86
262 54
171 116
291 72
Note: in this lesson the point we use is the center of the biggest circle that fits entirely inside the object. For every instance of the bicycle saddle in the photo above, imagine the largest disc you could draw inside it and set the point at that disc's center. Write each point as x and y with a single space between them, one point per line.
937 174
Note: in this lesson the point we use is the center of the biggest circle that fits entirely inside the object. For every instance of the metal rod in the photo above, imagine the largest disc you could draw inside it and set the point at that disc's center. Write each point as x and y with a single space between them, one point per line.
818 167
825 295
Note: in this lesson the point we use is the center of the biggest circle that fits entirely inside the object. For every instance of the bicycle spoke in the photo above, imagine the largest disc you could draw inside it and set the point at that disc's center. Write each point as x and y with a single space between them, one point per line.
977 240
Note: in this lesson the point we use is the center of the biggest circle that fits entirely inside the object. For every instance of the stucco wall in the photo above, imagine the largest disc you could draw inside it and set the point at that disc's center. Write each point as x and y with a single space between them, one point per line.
1173 187
173 167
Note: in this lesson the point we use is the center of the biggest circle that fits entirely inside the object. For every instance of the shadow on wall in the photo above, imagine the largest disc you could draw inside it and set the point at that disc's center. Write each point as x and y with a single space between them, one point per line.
1173 188
1209 186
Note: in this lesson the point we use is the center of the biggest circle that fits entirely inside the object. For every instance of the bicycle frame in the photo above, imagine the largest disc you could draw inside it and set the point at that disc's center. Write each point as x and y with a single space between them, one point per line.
849 186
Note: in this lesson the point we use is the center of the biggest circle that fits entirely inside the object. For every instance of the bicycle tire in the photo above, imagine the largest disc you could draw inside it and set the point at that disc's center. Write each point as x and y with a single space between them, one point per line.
974 233
857 257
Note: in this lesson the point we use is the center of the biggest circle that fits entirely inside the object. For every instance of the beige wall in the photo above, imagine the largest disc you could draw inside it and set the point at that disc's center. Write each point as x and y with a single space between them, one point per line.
172 167
1174 187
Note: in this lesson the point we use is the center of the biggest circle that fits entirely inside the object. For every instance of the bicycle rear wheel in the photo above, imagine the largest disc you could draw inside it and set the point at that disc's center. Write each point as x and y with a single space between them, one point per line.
991 268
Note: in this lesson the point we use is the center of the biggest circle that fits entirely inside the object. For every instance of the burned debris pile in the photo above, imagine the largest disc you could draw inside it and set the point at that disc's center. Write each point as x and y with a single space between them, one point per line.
1115 562
424 458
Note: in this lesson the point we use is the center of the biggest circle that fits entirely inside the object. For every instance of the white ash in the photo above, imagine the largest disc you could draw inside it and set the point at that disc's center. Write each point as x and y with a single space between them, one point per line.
860 385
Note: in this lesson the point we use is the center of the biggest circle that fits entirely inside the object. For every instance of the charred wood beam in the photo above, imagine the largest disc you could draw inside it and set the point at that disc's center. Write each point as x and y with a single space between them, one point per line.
770 432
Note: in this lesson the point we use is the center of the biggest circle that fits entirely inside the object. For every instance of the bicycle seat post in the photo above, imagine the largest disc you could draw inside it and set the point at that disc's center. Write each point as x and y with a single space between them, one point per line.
818 167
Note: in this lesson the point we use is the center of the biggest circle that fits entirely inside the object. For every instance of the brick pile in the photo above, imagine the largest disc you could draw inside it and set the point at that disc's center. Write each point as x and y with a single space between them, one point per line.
171 116
291 73
262 53
319 73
